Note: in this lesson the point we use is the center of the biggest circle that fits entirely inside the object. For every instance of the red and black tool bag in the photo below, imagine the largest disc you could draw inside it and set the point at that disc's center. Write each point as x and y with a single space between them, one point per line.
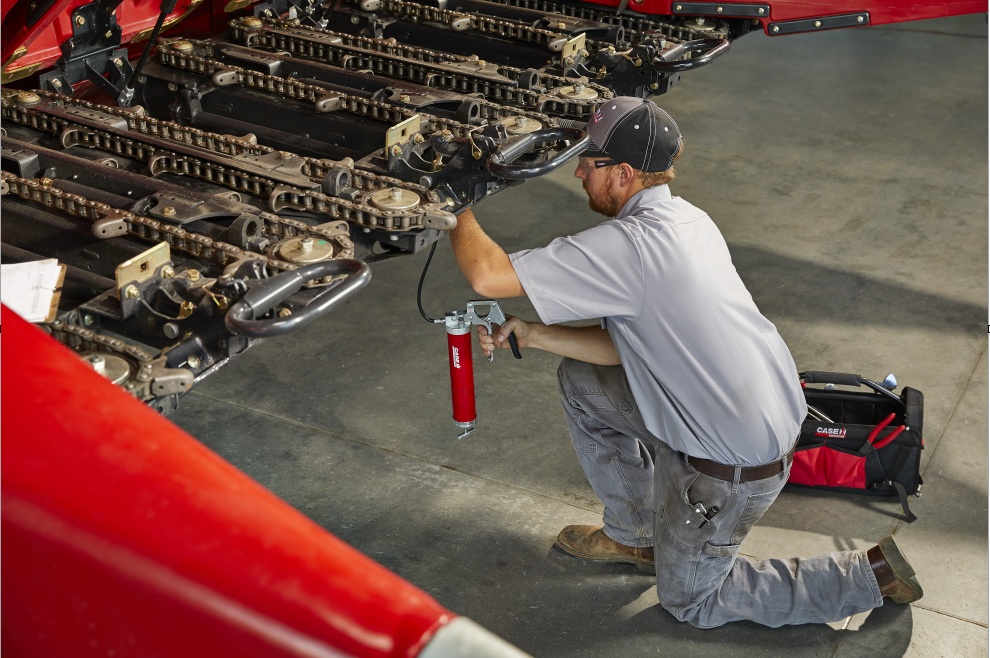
860 442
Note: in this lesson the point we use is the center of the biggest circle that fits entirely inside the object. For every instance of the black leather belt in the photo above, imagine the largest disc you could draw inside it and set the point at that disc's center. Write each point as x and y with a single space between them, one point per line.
748 474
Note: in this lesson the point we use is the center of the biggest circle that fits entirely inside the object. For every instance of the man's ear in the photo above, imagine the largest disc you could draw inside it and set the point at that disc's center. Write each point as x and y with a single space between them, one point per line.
626 175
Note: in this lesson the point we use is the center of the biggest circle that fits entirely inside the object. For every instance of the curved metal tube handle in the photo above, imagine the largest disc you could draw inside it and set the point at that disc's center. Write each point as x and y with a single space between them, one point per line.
267 293
715 47
499 162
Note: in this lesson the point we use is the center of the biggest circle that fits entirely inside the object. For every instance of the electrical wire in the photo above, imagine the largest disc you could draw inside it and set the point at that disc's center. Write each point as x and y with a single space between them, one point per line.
419 291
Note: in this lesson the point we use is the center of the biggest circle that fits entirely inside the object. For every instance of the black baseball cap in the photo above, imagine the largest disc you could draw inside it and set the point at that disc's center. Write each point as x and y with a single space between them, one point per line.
634 131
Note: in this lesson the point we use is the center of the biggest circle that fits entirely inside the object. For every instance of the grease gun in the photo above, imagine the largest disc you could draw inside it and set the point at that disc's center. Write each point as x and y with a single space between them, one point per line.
459 327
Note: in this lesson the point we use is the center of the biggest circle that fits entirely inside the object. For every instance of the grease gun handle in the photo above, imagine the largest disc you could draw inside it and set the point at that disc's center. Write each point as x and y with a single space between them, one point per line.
494 315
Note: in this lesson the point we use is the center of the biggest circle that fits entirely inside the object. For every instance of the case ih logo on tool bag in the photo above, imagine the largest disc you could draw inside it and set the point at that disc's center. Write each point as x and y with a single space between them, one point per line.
457 358
837 432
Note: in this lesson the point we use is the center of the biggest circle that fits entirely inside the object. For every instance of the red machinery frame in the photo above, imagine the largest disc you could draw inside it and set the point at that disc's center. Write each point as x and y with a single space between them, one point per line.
124 535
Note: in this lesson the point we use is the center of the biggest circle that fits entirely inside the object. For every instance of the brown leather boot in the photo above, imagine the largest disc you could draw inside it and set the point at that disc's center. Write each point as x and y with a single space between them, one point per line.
893 573
589 542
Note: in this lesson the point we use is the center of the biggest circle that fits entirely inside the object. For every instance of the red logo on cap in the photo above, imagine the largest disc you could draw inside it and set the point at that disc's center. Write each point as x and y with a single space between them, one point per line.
598 116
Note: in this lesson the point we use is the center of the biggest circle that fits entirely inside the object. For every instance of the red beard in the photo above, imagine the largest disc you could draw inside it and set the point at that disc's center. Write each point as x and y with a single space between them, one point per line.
606 202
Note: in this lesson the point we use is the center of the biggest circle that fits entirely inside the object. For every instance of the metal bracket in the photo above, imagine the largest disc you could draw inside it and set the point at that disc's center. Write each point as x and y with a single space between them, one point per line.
720 9
816 24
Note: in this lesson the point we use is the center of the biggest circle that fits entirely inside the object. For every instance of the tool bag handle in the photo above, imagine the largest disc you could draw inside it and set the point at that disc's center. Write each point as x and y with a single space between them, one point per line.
845 379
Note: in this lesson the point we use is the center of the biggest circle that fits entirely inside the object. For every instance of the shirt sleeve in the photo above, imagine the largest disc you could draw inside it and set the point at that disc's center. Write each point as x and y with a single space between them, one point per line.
596 273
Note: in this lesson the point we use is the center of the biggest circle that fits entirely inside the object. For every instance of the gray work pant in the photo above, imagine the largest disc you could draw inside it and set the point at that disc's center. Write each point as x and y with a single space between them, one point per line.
700 579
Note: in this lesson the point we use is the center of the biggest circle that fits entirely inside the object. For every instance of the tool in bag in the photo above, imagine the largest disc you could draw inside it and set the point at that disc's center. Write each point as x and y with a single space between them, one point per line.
867 442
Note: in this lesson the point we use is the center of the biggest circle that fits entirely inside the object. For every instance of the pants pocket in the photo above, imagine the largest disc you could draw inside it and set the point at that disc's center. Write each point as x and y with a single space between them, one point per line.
756 506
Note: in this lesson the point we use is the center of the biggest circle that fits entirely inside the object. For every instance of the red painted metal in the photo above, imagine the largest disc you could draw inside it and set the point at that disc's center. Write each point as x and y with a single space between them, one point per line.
44 38
461 376
122 535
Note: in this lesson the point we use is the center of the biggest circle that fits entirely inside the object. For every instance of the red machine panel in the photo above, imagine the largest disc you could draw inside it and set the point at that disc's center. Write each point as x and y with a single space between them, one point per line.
122 535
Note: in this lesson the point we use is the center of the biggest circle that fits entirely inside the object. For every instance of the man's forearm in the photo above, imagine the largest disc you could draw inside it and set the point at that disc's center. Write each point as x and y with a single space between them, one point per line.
589 344
484 264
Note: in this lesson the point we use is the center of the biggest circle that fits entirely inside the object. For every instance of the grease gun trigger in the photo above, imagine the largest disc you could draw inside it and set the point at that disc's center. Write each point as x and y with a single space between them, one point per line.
493 316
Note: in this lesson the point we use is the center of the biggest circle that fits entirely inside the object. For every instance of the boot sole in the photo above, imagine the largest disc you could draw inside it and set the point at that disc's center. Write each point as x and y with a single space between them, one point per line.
647 567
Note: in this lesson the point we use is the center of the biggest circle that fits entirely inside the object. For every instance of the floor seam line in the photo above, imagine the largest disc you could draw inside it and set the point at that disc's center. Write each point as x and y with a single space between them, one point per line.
949 614
955 407
343 437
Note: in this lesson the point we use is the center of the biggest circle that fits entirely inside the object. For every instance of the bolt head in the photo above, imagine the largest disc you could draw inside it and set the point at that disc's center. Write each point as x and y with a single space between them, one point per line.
419 139
818 23
718 10
678 8
776 29
193 275
168 211
285 155
396 150
760 10
561 26
393 238
404 98
859 19
284 313
80 20
168 272
395 192
57 82
88 320
193 361
172 86
355 20
132 292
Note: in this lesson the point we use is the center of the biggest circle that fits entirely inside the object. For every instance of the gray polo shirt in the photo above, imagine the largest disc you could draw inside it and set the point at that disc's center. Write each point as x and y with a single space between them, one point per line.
710 374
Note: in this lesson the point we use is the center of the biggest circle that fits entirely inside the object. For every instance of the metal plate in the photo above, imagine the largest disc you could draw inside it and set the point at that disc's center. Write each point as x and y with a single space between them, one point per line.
720 9
395 199
305 249
141 268
402 132
521 125
815 24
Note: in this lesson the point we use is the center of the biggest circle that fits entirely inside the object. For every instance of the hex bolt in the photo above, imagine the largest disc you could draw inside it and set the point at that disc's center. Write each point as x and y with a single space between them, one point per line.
168 211
579 88
171 330
306 244
132 292
396 150
776 29
699 21
522 121
561 26
404 98
116 60
419 139
168 272
446 135
99 363
285 312
80 20
192 275
584 51
89 319
355 20
654 86
193 361
57 82
172 86
395 193
482 63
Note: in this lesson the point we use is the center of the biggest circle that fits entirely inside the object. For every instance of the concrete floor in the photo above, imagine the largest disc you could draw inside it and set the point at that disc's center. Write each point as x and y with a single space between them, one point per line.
848 173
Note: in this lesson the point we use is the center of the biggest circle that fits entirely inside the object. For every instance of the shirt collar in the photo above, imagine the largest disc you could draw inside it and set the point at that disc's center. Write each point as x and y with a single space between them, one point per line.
645 198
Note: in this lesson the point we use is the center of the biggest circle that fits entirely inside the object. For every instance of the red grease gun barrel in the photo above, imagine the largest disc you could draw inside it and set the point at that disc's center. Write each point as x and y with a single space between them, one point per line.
459 327
461 377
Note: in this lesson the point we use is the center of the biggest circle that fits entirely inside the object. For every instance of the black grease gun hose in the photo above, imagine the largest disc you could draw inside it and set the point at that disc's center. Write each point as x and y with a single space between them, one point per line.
419 302
419 291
